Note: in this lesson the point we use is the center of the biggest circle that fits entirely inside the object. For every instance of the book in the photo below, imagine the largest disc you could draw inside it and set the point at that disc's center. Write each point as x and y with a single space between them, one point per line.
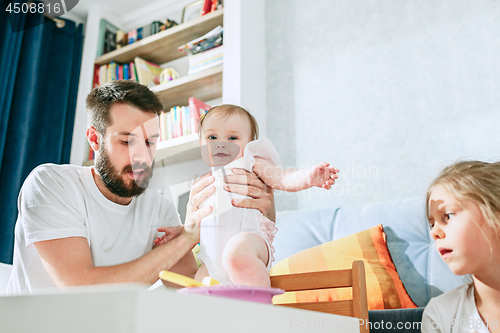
110 72
206 55
119 72
163 130
176 122
168 125
207 7
205 67
147 72
97 72
103 74
207 59
186 120
146 30
125 72
211 39
133 72
197 108
132 36
109 41
139 34
155 27
205 62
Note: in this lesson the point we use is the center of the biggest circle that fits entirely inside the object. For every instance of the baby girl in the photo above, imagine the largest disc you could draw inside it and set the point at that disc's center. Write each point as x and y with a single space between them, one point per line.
236 243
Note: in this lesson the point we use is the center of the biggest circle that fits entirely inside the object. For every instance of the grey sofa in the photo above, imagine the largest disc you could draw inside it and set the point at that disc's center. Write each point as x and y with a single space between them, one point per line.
422 271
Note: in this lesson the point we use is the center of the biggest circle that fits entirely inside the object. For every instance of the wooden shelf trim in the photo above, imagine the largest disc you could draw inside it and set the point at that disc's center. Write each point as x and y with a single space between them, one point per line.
162 47
181 149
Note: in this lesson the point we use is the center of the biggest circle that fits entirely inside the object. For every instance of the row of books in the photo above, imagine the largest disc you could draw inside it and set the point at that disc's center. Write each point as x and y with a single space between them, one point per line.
205 60
125 38
114 71
182 120
211 39
139 70
112 38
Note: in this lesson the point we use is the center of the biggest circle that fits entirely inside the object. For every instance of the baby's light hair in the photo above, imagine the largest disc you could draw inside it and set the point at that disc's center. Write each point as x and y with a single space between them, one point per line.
476 181
227 110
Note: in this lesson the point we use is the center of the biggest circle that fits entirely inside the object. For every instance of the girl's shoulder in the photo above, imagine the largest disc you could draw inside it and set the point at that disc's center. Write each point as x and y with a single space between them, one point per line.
442 311
454 295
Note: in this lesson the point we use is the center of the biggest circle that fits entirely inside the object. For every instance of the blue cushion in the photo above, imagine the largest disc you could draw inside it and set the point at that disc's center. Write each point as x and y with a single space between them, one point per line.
419 265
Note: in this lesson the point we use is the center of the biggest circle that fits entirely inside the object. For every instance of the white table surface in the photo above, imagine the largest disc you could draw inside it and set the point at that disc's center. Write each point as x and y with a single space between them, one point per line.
132 308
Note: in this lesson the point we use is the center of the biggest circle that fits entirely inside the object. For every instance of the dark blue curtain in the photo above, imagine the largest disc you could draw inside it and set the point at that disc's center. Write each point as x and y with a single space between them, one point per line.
39 73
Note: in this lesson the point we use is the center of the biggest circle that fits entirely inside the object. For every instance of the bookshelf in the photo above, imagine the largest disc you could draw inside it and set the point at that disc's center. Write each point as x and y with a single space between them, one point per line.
160 48
242 80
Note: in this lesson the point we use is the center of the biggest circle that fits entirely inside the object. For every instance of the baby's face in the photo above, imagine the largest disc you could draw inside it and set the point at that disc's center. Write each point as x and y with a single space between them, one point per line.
225 138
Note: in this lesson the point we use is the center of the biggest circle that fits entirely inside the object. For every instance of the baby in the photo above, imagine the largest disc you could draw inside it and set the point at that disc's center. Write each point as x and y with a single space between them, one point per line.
236 243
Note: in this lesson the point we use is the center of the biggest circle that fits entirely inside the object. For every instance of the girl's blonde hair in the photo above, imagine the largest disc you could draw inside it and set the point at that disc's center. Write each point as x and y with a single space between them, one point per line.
476 181
227 110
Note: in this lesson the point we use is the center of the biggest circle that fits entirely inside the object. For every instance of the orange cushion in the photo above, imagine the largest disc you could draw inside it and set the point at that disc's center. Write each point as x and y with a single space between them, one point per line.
384 288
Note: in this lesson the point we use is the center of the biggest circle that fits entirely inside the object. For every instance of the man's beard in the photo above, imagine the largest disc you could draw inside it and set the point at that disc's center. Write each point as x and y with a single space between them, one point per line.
113 179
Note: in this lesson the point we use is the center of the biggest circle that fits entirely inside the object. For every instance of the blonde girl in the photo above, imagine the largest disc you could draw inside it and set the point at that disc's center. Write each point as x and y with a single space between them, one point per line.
463 207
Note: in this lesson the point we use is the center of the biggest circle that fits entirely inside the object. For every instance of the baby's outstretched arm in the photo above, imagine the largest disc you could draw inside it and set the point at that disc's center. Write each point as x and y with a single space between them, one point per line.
321 175
293 180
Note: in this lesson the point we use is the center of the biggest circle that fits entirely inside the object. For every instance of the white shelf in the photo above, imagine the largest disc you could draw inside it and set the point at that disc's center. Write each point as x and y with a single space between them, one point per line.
177 150
205 85
162 47
181 149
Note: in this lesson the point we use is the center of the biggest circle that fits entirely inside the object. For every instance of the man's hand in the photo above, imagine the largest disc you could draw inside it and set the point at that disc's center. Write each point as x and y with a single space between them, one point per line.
249 184
199 192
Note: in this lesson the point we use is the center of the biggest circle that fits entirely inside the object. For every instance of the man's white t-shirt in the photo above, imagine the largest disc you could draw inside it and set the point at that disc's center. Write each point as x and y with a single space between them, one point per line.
454 312
59 201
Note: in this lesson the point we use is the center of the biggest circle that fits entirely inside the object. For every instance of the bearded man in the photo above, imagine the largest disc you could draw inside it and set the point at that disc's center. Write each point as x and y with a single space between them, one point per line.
95 225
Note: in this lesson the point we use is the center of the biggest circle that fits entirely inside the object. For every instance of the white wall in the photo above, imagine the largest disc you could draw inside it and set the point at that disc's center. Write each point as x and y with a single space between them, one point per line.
388 91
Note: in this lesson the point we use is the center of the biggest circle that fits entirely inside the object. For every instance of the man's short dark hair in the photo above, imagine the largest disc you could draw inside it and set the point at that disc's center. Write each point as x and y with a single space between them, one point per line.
100 100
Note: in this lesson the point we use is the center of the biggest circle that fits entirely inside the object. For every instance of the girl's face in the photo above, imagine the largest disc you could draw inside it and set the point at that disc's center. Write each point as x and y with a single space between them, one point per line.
465 241
218 131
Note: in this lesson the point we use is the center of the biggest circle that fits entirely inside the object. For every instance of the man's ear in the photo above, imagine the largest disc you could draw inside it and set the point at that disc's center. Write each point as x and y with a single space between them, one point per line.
94 138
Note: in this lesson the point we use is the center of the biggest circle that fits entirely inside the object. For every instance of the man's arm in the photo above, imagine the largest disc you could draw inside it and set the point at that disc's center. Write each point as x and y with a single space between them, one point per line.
69 261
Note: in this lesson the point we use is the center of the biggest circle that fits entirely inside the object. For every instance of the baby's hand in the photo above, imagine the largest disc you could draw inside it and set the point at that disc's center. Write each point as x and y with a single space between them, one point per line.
322 175
170 233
